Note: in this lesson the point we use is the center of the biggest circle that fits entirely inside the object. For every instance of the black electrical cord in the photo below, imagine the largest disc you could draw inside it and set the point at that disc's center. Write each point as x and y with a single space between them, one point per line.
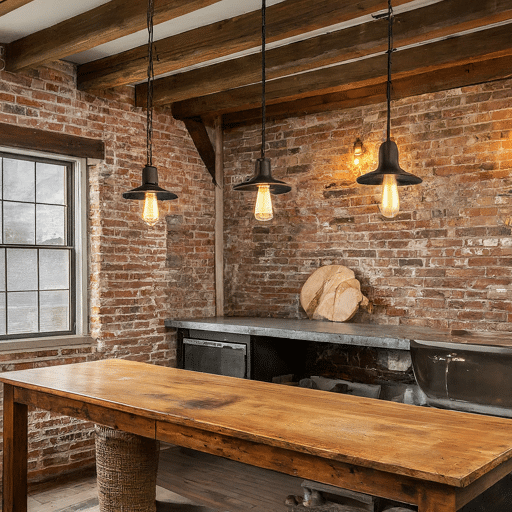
151 76
263 77
389 52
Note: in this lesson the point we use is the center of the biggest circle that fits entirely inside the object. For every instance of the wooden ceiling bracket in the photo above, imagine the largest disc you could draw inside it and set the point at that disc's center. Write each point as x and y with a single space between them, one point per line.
199 134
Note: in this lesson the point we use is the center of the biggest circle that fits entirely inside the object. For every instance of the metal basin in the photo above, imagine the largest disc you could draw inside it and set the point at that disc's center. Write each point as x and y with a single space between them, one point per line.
465 376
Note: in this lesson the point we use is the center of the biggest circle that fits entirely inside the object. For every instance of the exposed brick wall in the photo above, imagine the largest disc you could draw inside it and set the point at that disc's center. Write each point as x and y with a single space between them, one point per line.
138 276
444 262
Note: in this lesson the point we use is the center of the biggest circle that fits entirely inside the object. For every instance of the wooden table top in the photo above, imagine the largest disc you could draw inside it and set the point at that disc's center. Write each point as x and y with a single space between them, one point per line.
435 445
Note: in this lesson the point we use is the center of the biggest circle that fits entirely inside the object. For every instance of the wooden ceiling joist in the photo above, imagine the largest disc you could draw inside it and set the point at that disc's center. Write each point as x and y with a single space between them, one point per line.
422 83
470 48
286 19
412 27
105 23
6 6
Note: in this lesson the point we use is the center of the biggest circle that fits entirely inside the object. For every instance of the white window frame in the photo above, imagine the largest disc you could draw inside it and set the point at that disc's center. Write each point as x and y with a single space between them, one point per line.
80 205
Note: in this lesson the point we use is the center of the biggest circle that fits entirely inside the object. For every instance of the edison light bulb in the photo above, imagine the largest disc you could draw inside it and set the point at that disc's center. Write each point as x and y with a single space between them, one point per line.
358 151
263 209
150 213
390 203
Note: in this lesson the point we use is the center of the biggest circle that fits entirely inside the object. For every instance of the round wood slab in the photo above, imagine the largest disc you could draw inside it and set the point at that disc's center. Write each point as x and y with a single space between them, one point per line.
332 293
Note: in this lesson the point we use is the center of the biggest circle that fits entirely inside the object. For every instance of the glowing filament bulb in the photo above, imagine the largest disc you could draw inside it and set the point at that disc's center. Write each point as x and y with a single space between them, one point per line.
263 209
390 203
358 151
150 213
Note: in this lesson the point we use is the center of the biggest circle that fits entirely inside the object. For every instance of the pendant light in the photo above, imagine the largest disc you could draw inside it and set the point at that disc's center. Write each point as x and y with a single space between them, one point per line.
262 182
388 173
149 191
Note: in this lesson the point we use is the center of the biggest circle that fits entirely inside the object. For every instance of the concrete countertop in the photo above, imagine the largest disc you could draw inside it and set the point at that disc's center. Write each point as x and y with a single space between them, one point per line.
367 335
302 329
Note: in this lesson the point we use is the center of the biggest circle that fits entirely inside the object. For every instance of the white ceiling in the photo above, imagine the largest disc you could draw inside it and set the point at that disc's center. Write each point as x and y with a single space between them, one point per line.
40 14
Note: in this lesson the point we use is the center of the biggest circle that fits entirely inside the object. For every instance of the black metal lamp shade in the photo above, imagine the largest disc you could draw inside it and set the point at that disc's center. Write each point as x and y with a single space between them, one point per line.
263 176
149 184
388 164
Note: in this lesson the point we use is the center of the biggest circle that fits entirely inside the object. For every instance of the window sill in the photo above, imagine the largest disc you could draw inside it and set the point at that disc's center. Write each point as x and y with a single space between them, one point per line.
44 343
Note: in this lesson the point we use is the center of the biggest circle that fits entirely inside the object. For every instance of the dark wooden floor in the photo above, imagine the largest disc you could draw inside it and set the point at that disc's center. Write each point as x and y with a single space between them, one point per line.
81 495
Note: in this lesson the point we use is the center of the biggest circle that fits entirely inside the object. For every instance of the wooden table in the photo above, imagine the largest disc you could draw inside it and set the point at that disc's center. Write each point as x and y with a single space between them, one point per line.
438 460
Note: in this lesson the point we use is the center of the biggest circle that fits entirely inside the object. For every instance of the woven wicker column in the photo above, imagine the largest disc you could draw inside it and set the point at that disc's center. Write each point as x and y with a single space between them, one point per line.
127 467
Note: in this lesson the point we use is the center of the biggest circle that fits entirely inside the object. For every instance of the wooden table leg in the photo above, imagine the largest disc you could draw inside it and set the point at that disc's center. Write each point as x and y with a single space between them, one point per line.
437 500
14 497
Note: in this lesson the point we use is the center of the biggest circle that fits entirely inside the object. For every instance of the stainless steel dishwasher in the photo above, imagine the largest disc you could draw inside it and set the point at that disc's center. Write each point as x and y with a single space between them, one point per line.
217 353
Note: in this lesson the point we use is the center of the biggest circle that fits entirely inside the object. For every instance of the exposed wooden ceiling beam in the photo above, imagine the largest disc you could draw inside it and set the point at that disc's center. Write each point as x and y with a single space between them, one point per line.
474 47
416 26
7 6
105 23
286 19
433 81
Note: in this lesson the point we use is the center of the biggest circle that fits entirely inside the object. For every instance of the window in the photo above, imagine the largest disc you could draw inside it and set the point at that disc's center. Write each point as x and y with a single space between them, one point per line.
41 260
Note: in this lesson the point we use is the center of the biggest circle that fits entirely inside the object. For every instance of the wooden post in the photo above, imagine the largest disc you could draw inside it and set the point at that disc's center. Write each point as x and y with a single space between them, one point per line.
14 497
219 218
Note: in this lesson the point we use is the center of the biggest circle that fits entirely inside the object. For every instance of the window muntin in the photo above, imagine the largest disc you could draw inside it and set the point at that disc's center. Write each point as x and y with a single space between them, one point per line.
37 253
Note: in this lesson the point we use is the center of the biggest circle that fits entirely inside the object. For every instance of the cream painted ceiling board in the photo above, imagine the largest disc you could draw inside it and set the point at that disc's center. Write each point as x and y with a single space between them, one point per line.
206 16
40 14
6 6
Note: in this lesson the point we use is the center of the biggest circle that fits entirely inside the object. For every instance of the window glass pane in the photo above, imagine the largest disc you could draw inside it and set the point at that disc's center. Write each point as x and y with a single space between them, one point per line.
2 270
22 313
50 224
54 311
19 180
21 269
19 223
36 253
53 269
2 314
50 183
